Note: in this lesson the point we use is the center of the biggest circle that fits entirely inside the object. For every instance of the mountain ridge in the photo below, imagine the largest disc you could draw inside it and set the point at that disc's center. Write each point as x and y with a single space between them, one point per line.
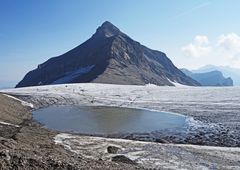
211 78
227 71
113 57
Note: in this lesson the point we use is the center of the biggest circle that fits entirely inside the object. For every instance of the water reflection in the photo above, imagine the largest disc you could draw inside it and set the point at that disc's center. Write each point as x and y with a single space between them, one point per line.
106 120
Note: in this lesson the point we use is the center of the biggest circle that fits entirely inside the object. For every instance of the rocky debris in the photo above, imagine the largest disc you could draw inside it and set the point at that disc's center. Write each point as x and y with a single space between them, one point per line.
13 160
161 140
112 149
219 106
13 112
205 134
8 131
30 146
123 159
154 155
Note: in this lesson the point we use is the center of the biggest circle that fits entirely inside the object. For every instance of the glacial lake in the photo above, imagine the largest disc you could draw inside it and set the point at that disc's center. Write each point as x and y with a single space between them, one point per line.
103 120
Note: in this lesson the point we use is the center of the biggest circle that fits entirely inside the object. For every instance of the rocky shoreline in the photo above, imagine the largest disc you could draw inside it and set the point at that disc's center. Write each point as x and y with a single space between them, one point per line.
213 114
24 144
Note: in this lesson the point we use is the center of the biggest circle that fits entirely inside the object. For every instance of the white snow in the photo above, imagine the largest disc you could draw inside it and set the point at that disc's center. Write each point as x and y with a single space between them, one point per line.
176 84
9 124
68 77
59 139
161 98
149 96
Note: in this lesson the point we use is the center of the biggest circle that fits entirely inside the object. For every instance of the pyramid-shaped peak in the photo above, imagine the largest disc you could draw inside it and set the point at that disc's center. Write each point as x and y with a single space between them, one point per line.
107 29
107 23
115 60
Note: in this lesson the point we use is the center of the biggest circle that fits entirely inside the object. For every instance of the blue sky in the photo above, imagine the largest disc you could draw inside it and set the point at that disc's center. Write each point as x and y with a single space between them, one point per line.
192 33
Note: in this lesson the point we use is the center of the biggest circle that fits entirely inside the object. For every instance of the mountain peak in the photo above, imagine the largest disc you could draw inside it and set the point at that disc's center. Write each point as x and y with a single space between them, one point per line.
107 29
107 23
118 59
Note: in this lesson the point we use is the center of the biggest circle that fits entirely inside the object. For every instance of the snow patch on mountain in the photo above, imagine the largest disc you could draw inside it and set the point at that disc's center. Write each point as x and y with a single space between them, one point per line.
68 77
176 84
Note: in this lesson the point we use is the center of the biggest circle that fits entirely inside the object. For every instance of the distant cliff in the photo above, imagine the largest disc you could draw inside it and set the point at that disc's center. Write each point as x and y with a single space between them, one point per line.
227 71
212 78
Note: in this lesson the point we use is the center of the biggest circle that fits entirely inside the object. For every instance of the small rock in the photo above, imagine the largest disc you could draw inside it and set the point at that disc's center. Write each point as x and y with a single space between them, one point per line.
123 159
161 141
112 149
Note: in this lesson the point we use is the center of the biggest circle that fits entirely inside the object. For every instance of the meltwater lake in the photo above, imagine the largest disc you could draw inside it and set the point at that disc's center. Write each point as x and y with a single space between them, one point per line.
103 120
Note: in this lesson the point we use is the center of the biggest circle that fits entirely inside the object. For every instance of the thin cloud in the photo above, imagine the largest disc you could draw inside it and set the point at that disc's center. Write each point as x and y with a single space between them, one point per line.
200 6
230 45
198 48
224 51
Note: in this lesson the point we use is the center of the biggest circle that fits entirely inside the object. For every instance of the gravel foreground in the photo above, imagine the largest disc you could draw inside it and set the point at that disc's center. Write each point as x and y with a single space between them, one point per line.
82 152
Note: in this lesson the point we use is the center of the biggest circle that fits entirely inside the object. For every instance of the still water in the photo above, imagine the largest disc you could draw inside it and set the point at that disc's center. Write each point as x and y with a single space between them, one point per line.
102 120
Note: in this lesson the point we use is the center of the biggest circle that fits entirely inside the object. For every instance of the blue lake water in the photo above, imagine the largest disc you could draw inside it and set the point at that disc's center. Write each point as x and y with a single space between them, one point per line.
102 120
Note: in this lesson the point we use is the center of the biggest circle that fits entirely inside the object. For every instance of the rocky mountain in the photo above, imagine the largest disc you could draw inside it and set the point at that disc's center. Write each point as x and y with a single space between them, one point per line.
212 78
109 56
227 71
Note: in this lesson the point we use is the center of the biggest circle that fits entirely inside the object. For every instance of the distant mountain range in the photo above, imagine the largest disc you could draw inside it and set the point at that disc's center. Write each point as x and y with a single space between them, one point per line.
212 78
109 56
234 73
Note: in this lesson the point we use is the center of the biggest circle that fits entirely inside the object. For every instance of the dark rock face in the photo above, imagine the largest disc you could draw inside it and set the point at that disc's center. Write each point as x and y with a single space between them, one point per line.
109 56
123 159
212 78
112 149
